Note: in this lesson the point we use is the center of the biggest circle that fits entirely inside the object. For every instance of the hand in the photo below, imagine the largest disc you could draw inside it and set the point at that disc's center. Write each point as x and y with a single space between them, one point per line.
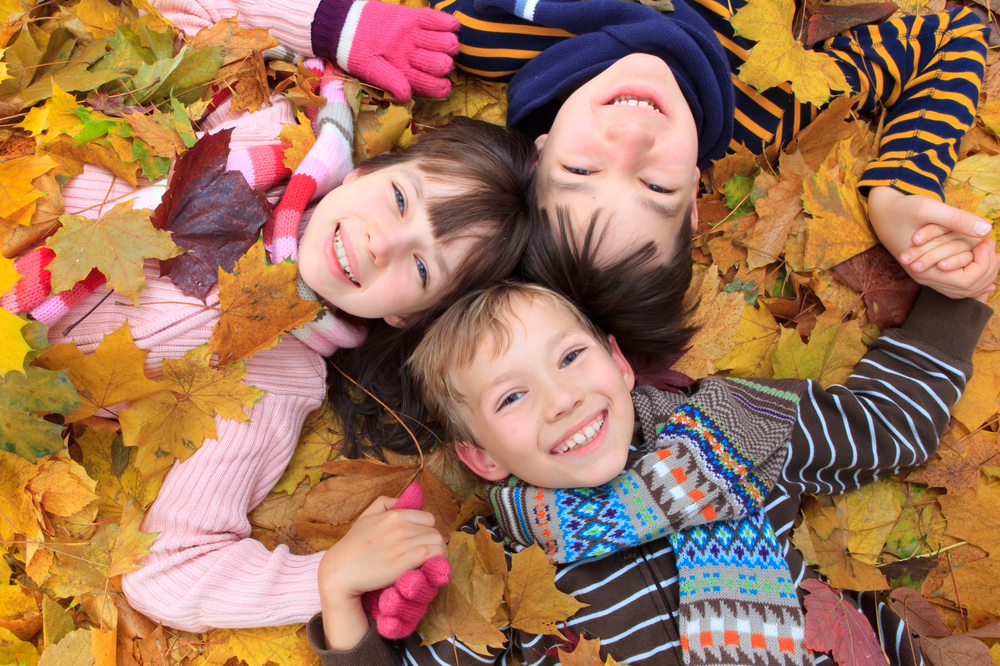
402 49
379 548
938 245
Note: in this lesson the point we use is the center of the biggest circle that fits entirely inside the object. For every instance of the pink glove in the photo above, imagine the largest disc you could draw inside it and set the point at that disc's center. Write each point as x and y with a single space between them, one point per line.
398 48
397 609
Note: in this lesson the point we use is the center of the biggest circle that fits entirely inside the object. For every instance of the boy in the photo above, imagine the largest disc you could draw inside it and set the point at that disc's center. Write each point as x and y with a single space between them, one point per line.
539 400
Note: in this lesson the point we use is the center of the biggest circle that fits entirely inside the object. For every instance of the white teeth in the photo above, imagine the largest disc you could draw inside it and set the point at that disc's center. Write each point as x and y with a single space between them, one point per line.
629 100
585 436
338 246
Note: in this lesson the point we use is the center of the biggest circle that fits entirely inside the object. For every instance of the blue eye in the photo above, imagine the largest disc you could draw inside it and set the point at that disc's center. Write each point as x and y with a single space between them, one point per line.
577 171
422 271
510 399
400 199
570 357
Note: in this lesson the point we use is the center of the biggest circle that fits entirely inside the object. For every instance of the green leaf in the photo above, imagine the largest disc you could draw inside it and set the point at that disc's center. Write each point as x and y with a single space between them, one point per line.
21 396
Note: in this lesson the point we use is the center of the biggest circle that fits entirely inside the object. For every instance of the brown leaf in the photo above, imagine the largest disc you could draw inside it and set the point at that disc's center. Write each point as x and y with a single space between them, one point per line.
918 613
356 484
237 43
778 208
212 213
534 601
888 291
831 20
586 653
833 625
955 466
955 651
718 317
973 517
259 303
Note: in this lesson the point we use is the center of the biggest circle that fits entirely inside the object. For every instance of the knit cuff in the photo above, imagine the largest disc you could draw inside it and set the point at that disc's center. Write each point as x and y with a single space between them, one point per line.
327 26
371 650
949 325
347 34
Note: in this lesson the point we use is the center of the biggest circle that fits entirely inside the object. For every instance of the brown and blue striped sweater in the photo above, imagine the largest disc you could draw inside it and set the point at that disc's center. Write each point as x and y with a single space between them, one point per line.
888 416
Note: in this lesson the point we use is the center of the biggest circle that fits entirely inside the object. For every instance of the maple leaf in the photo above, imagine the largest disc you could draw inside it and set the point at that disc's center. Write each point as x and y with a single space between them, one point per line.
470 97
116 244
160 131
299 138
717 318
586 653
378 130
18 609
755 341
113 375
321 440
18 194
534 602
888 291
61 487
112 465
15 651
777 209
258 302
868 515
175 423
16 512
982 173
833 350
22 396
15 348
463 609
258 646
212 213
833 625
973 517
237 43
777 57
956 464
979 401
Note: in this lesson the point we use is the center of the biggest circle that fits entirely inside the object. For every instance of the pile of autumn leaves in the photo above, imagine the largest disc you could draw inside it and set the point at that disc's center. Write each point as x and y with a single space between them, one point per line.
790 279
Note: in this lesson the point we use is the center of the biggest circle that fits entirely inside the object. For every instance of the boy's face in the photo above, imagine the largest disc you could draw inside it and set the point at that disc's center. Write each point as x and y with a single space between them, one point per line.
625 142
554 409
369 248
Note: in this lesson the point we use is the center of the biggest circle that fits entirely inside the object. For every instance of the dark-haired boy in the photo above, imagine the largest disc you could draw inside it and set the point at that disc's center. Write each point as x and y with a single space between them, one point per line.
539 403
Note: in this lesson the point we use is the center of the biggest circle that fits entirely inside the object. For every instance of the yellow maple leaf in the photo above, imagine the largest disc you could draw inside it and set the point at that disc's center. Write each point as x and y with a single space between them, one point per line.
299 138
157 131
54 117
978 403
17 514
778 210
113 375
378 130
533 600
103 18
112 465
161 429
586 653
868 515
8 276
116 244
62 487
470 97
258 302
755 341
777 57
990 115
14 348
3 68
237 43
321 440
464 609
258 646
839 227
833 350
717 318
15 651
18 194
982 172
213 390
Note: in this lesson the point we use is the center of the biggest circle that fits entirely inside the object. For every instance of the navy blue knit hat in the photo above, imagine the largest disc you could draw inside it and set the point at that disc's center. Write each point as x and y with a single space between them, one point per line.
608 30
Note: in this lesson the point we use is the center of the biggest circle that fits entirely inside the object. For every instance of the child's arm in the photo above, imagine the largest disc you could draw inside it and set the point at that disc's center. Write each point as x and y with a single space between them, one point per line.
891 412
401 49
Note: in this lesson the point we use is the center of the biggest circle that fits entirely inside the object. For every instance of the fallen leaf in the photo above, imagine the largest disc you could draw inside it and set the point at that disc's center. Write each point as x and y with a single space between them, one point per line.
18 610
717 317
777 57
918 613
755 342
258 646
211 212
888 291
112 464
378 130
23 397
978 403
868 514
586 653
956 463
14 348
955 651
534 601
833 625
18 194
299 138
237 43
320 441
972 516
982 173
777 209
834 348
62 487
116 244
73 650
831 20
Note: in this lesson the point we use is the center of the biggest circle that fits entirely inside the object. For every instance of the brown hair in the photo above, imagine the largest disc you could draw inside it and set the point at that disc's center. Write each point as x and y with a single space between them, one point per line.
478 319
636 297
488 167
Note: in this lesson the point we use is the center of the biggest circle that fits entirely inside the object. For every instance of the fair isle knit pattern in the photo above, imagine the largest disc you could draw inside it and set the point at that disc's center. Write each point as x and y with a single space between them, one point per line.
709 462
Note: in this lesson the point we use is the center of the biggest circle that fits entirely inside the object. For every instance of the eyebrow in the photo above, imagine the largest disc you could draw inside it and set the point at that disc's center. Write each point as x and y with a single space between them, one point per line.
565 186
437 255
504 376
667 210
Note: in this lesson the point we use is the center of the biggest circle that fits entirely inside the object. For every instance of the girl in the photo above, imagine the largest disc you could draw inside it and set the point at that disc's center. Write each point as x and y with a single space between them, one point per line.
394 237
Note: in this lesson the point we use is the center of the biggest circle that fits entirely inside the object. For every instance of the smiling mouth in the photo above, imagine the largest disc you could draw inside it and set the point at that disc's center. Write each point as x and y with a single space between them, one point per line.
338 248
585 436
632 100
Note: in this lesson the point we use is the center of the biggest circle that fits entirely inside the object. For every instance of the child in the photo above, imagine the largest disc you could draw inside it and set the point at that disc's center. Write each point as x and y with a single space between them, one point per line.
539 403
384 244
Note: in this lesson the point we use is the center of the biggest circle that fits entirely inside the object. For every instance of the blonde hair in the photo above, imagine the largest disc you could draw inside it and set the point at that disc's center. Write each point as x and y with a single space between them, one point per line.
460 334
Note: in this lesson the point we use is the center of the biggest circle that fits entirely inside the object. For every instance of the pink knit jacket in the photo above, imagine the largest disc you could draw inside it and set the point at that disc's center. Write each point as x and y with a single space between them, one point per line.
204 571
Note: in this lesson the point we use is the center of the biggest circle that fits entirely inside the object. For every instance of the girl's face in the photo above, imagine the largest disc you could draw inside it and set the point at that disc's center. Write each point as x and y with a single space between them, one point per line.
369 248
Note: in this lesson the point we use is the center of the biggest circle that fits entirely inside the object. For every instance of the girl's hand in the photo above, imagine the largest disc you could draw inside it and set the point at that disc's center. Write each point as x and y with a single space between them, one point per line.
379 548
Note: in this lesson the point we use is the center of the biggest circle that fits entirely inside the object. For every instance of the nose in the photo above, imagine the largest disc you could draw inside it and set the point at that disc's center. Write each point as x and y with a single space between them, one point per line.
564 398
385 241
630 139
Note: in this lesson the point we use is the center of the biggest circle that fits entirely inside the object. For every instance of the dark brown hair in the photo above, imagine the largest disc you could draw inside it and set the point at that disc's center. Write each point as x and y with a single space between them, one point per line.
637 297
489 167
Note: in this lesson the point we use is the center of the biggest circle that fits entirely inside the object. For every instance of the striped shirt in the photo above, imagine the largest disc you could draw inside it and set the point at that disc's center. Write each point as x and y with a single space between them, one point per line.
887 416
927 71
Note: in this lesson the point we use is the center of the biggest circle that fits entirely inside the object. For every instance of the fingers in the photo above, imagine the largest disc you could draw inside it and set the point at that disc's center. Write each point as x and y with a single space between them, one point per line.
928 233
947 256
428 85
955 219
441 42
432 19
380 505
430 62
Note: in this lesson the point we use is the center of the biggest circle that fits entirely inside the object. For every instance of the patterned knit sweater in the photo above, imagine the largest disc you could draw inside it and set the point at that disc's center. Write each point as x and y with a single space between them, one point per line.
887 416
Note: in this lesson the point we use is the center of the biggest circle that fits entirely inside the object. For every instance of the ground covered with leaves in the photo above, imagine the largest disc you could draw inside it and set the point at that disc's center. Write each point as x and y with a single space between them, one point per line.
791 281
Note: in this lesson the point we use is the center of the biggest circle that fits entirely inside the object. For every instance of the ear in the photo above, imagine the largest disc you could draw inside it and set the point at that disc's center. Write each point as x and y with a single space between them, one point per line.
480 462
353 175
399 321
539 144
694 200
623 365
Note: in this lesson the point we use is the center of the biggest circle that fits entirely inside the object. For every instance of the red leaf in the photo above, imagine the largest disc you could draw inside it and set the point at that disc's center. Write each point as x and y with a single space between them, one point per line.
918 613
888 291
834 625
955 651
832 20
213 213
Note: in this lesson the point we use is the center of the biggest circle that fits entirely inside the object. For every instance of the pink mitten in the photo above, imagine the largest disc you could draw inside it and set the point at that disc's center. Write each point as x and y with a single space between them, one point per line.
397 609
401 49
